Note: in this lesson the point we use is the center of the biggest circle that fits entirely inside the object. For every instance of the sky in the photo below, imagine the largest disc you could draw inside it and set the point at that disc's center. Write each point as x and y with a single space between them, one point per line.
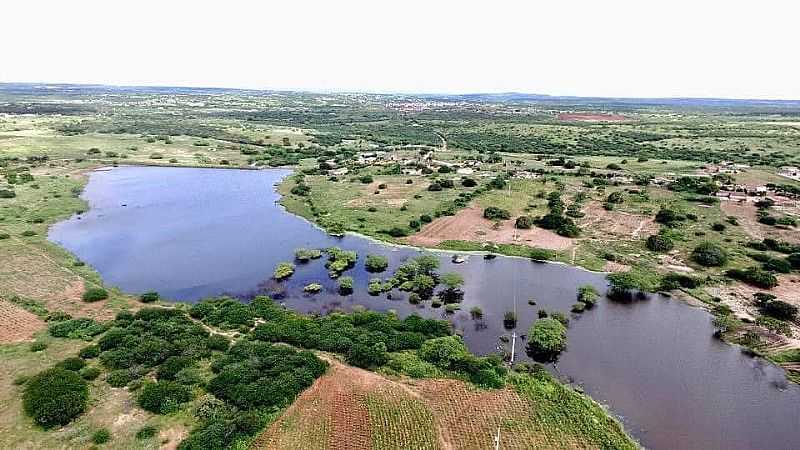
675 48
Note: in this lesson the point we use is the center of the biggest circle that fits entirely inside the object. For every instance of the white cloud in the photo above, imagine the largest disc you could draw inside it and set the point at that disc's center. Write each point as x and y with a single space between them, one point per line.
614 48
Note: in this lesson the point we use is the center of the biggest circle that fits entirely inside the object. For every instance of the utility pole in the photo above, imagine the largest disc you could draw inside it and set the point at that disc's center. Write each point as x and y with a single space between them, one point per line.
513 346
497 439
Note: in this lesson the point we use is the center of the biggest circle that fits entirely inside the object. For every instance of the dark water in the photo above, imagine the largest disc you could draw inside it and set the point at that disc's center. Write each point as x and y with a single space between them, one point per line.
193 233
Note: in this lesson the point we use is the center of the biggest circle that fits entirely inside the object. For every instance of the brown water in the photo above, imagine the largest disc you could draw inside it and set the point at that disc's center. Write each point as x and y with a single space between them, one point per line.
194 233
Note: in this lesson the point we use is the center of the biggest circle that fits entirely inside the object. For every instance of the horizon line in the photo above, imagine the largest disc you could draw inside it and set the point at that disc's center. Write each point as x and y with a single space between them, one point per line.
388 92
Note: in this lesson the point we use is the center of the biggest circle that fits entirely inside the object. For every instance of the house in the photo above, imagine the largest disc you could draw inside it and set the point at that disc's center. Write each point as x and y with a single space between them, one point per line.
339 172
465 171
790 172
408 171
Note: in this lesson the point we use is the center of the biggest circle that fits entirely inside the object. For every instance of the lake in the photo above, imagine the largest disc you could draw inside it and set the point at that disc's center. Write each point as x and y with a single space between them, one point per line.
194 233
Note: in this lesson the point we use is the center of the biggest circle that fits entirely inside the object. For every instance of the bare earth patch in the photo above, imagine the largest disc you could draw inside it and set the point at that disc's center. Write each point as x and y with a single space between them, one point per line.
746 213
613 267
469 225
395 194
602 224
17 324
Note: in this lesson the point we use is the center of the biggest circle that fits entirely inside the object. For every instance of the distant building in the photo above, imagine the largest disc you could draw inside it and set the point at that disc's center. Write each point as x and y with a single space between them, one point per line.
339 172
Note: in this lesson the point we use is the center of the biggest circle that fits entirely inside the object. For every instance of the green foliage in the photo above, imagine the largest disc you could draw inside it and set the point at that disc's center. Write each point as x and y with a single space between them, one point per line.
149 297
588 295
163 397
547 338
82 328
755 276
312 288
90 373
260 375
345 285
146 432
94 295
659 243
495 213
376 263
367 355
710 255
223 312
306 254
101 436
73 364
524 222
38 346
283 271
55 397
339 261
443 352
780 310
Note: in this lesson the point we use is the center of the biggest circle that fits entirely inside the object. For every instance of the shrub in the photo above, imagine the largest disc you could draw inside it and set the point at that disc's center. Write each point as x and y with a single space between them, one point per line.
163 397
149 297
755 276
94 295
55 397
305 254
367 355
659 243
578 307
509 319
443 351
397 232
376 263
28 233
615 197
82 328
169 369
73 364
283 271
146 432
524 222
547 338
89 373
495 213
588 295
4 236
469 182
780 310
476 312
720 227
345 285
101 436
366 179
709 255
312 288
38 346
120 378
794 260
425 218
667 216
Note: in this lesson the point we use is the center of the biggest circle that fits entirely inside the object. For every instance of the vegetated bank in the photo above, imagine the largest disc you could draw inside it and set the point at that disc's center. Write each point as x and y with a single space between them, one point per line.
231 369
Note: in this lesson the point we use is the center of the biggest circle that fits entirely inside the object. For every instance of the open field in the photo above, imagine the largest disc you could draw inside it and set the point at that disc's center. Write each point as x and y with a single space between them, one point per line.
353 408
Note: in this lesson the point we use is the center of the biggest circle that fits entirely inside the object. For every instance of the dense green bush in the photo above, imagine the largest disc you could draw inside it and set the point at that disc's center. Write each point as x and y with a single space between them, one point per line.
755 276
524 222
283 270
345 285
495 213
780 310
260 375
94 295
306 254
367 354
90 373
73 364
223 312
101 436
149 297
82 328
547 338
163 397
659 243
587 295
710 255
146 432
38 346
444 351
55 397
339 261
376 263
